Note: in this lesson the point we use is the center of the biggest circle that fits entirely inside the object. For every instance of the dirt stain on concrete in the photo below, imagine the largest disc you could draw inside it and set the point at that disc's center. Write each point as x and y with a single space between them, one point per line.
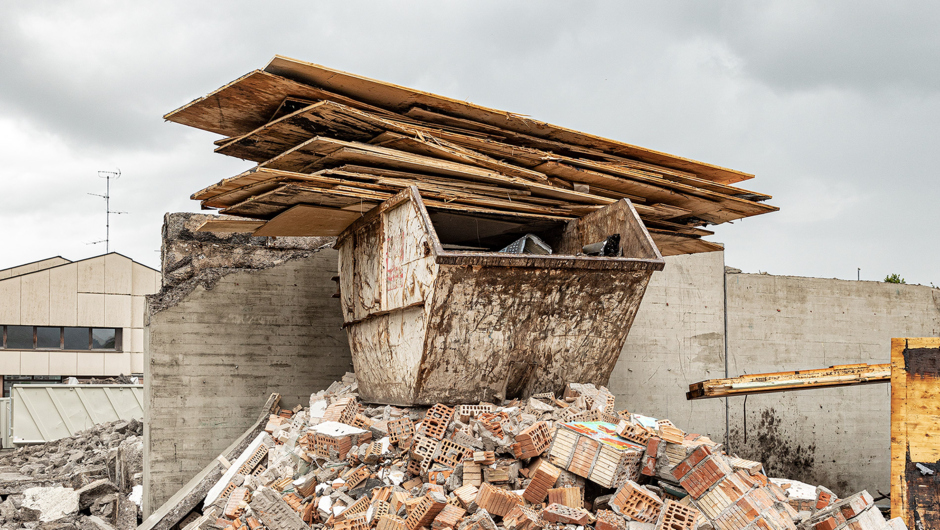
769 442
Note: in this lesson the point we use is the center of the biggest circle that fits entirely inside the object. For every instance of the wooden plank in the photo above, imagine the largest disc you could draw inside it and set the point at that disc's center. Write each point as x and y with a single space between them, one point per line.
454 153
399 99
337 180
673 244
711 206
915 386
230 226
330 119
304 220
322 153
541 150
257 180
840 375
249 102
268 205
272 203
899 486
318 119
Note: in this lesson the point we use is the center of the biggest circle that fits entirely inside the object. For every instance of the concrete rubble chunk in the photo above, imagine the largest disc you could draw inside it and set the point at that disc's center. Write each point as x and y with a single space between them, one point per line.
99 467
51 503
99 488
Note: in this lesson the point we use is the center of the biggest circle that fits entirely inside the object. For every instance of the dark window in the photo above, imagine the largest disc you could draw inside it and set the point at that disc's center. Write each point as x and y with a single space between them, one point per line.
20 337
48 337
77 339
10 380
57 338
102 339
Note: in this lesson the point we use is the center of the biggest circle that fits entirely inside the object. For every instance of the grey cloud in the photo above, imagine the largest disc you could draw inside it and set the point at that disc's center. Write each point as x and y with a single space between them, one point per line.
833 105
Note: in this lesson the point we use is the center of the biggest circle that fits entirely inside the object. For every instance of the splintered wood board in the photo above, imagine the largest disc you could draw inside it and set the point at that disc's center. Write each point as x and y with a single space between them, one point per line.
305 220
839 375
915 431
230 226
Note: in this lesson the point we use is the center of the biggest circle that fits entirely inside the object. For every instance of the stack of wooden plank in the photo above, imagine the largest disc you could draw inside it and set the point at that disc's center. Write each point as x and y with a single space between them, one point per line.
331 145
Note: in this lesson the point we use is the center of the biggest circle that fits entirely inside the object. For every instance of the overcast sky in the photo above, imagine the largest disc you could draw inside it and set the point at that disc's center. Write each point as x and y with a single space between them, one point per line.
834 106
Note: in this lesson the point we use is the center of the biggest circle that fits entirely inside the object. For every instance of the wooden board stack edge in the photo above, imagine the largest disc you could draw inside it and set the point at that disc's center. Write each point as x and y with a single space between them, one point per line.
331 140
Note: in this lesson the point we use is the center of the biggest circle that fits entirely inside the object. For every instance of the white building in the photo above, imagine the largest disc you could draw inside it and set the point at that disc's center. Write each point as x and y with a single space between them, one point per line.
85 318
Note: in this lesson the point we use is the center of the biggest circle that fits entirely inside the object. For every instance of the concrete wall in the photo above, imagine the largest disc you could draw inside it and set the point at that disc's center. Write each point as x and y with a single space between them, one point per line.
216 354
677 338
106 291
839 437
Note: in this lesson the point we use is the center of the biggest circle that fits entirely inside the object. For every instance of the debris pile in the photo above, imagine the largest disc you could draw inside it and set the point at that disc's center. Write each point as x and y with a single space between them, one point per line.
92 480
551 462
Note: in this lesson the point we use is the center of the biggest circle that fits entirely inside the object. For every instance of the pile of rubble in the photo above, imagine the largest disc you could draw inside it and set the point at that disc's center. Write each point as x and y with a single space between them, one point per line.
89 480
569 462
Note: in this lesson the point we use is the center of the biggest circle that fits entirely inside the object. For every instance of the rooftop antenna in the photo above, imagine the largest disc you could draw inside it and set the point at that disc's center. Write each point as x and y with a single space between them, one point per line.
108 176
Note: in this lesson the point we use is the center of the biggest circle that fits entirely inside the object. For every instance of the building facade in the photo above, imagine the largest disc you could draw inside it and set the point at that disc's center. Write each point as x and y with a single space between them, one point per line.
85 319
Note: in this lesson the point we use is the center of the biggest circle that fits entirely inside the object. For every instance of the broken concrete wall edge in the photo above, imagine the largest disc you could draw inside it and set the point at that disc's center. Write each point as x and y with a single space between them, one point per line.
190 258
170 296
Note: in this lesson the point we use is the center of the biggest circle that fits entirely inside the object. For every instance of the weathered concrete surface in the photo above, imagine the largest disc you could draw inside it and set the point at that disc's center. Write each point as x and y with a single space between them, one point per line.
837 437
240 320
676 338
841 436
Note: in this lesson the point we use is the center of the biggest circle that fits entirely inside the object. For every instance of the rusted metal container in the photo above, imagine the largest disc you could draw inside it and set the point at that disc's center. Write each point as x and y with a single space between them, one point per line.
428 325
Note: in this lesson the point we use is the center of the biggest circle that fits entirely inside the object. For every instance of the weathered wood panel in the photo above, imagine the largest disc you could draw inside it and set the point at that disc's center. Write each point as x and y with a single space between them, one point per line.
915 416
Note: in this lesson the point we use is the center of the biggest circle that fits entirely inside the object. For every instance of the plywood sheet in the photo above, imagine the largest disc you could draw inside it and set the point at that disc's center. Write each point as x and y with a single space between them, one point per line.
399 99
672 244
305 220
915 410
249 102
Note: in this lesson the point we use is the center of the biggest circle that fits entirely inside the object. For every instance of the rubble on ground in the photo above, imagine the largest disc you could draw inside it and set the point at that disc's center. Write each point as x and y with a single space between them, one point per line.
83 481
568 462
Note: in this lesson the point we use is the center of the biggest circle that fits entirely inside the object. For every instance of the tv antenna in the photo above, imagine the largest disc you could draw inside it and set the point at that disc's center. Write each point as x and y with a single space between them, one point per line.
108 176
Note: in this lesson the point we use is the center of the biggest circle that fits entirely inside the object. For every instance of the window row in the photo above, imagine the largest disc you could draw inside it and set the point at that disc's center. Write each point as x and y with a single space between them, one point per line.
60 338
